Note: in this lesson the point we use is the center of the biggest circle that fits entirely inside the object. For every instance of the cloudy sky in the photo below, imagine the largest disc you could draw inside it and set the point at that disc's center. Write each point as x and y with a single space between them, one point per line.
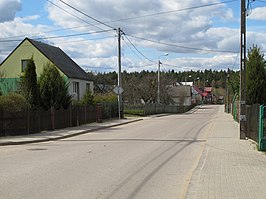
196 34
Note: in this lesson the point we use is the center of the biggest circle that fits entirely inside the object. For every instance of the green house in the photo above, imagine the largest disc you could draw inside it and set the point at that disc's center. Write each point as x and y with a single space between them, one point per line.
12 68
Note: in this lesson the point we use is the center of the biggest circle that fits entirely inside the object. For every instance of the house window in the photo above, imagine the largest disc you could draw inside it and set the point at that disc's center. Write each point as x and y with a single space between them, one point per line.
76 89
88 86
24 64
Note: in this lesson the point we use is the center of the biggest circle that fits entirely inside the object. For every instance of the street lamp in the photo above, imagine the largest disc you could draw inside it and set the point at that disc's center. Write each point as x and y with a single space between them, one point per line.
159 64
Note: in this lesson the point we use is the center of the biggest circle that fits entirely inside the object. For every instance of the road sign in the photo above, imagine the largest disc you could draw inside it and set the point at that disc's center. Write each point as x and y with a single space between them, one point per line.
118 90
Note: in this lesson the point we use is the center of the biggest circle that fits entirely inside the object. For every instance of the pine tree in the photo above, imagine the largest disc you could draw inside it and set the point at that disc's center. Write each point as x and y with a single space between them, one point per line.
29 86
53 88
255 76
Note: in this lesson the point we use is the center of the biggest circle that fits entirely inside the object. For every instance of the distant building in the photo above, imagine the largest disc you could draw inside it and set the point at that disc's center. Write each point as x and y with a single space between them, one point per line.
13 66
180 94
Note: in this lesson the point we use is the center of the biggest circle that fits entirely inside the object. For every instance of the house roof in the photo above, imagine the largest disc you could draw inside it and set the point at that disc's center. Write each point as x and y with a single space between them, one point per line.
187 83
60 59
197 90
208 89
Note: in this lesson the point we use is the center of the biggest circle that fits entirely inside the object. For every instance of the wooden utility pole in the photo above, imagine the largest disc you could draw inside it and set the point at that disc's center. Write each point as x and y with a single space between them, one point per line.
120 109
158 86
242 118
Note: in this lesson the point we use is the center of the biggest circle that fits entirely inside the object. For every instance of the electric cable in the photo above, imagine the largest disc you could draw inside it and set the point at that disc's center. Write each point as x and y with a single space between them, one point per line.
73 15
132 18
98 21
172 11
137 49
179 46
62 36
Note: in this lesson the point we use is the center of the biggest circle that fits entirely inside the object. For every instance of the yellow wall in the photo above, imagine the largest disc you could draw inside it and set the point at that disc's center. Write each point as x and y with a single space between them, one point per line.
11 68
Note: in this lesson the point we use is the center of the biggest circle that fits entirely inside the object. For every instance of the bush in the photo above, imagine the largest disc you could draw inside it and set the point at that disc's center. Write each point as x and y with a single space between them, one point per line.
88 98
13 102
110 97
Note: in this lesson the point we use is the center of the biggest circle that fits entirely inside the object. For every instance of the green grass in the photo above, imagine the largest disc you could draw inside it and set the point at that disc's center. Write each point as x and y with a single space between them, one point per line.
137 112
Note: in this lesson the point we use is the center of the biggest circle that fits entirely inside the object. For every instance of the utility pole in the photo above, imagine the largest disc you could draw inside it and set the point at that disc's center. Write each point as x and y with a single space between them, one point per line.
158 90
120 107
227 92
242 118
159 65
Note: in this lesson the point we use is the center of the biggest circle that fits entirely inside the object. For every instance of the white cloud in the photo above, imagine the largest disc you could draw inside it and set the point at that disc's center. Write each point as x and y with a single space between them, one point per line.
201 63
21 26
196 28
258 14
8 9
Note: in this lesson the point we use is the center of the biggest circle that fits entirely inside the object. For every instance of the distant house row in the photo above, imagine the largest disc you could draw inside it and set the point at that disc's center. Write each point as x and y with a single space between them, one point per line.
186 94
12 68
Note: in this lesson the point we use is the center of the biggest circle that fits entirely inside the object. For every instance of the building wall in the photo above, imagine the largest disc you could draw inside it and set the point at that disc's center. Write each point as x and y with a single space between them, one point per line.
180 94
82 88
187 101
8 85
11 68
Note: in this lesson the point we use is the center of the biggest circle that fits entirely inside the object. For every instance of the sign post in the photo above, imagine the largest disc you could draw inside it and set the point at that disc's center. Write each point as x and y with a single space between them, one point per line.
119 90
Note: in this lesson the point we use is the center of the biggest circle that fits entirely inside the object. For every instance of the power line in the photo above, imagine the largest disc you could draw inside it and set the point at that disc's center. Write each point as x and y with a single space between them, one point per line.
87 15
133 50
125 19
184 47
64 42
138 49
73 15
137 55
172 11
62 36
38 33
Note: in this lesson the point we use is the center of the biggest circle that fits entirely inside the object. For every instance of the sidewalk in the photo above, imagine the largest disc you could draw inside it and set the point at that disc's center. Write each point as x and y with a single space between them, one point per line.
229 167
63 133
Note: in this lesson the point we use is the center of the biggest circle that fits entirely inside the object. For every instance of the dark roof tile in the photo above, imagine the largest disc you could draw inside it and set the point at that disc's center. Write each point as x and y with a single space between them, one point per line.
61 60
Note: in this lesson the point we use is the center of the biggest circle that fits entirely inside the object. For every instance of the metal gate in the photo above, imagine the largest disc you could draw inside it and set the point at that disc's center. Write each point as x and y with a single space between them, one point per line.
262 125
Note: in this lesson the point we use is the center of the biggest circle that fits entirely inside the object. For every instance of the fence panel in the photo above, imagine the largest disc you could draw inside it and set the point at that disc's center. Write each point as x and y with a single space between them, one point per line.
110 110
34 121
13 123
262 131
90 114
62 118
252 116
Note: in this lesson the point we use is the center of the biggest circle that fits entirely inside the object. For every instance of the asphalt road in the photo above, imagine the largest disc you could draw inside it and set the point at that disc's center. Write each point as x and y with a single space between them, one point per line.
153 158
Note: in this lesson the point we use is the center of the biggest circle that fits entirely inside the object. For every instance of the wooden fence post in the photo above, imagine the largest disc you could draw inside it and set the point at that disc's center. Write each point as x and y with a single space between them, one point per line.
52 117
1 123
28 120
70 114
85 109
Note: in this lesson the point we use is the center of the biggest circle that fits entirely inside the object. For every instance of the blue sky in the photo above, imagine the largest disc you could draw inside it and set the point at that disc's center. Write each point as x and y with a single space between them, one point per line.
209 29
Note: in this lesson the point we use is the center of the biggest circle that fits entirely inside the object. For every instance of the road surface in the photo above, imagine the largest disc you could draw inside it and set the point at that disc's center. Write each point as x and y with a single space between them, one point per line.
153 158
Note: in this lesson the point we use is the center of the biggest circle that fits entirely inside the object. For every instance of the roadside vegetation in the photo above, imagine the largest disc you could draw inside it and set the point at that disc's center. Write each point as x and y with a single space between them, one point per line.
143 85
